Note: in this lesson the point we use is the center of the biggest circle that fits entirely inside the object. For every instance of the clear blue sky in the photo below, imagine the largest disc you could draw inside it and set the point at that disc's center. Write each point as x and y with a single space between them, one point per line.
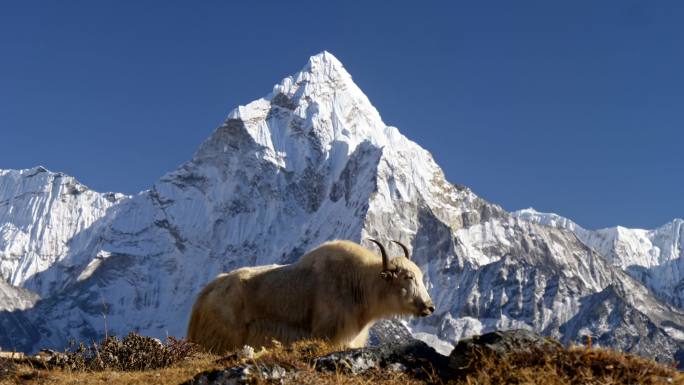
574 107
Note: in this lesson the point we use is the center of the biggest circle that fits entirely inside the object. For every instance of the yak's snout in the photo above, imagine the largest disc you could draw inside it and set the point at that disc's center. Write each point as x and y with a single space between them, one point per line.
427 309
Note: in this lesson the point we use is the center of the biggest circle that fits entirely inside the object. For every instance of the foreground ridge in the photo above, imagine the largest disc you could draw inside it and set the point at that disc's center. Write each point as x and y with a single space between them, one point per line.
515 356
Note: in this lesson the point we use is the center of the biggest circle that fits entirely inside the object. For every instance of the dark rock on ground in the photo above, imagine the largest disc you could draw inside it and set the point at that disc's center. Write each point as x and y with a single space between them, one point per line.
498 343
244 374
413 355
354 361
389 331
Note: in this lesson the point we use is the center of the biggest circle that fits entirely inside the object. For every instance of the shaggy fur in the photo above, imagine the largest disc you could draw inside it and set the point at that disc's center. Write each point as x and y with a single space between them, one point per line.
334 292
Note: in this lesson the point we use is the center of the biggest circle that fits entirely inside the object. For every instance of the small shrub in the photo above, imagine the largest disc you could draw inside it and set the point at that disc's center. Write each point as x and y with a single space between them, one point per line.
7 368
133 352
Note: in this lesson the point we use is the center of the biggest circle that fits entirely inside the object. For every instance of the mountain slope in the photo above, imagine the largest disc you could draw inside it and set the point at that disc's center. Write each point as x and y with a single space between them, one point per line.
41 212
313 161
654 257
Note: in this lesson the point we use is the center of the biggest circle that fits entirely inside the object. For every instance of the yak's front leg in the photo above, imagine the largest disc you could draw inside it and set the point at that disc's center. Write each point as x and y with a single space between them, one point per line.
336 329
360 340
263 332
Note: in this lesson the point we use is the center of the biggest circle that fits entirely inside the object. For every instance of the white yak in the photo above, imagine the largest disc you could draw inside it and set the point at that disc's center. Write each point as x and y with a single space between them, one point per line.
335 292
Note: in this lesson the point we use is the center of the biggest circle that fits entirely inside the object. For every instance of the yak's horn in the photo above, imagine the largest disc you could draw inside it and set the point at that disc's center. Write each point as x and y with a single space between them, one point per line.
385 260
403 246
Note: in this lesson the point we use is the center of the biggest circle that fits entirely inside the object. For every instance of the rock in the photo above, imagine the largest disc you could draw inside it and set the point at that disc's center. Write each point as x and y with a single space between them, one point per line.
499 343
46 354
244 374
411 356
247 352
52 358
355 361
230 376
389 331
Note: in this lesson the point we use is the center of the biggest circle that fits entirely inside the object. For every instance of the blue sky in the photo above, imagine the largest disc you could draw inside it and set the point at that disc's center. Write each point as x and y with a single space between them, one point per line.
571 107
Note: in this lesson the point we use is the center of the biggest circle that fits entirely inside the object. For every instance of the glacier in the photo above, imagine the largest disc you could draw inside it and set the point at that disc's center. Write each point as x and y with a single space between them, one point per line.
310 162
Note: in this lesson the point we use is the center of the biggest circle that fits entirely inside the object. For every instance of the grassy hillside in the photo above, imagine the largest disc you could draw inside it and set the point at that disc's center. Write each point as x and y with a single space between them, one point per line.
139 360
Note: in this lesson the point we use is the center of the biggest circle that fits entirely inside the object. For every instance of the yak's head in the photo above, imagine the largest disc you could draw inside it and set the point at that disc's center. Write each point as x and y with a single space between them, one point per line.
407 293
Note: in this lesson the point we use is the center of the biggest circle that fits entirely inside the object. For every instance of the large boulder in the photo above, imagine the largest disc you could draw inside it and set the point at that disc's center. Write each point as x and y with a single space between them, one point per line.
410 356
498 344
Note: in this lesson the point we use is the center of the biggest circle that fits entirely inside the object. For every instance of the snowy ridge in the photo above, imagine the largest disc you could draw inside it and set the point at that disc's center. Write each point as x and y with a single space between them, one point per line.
40 212
651 256
310 162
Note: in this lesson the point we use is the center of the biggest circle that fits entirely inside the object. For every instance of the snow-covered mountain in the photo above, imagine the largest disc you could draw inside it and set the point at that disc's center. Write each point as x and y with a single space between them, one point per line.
41 214
310 162
651 256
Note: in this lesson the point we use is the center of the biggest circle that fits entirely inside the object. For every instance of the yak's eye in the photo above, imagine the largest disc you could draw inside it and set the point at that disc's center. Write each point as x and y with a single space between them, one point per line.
409 276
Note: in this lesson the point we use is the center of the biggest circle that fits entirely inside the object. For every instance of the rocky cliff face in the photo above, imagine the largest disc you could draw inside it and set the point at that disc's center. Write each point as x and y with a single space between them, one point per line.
310 162
653 257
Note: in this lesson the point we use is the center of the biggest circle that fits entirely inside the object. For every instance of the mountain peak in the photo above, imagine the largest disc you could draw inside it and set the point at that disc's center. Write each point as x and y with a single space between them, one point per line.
327 64
322 76
318 114
26 171
315 120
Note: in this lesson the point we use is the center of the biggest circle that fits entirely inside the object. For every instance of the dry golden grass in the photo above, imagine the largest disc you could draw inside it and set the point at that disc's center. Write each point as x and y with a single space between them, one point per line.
567 366
576 365
26 374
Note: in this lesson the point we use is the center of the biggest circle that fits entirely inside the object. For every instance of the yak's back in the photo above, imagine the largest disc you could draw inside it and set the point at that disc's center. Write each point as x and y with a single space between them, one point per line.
339 253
